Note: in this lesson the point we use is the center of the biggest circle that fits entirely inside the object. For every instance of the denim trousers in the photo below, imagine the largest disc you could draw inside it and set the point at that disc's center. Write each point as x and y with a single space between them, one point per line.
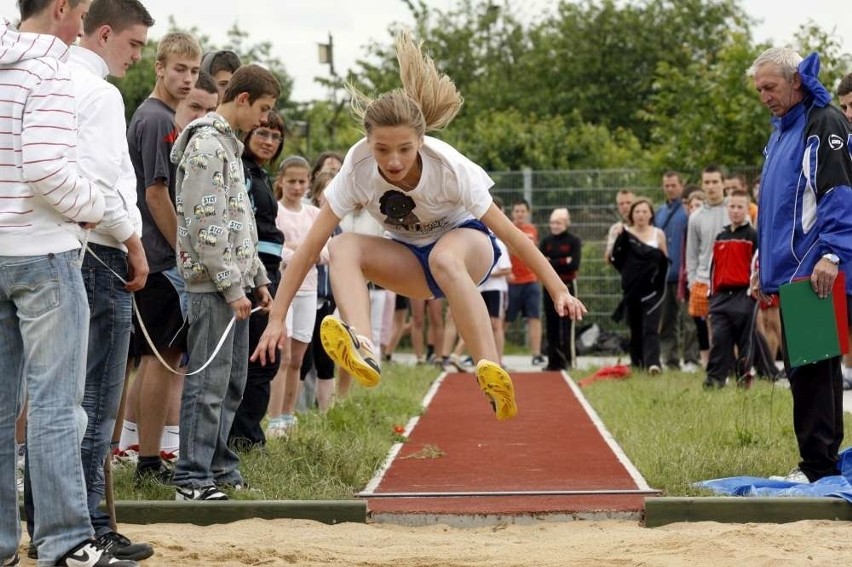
44 323
211 398
109 338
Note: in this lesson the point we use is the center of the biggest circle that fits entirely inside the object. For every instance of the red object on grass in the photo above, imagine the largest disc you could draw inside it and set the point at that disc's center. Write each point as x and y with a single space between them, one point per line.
839 296
617 372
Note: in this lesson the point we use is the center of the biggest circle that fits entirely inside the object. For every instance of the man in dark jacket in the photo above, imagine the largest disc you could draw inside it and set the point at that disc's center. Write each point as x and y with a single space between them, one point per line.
806 202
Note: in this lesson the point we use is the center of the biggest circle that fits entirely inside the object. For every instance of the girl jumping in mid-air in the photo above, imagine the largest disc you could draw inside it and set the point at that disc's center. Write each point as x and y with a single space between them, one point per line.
436 205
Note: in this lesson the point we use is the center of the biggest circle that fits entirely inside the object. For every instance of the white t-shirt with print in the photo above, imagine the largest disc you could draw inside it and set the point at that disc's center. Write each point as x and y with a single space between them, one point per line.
452 190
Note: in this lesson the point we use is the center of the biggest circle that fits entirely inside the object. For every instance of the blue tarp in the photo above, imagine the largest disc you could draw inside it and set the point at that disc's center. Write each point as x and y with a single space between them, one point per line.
838 486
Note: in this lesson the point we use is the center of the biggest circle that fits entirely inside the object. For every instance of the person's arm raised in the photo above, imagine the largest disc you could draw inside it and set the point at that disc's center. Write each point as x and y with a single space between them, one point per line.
563 301
305 257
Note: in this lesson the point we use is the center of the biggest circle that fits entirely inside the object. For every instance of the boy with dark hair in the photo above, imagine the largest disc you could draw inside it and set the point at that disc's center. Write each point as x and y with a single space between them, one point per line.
203 98
217 253
42 294
221 66
676 328
524 287
150 136
702 228
731 307
844 96
114 33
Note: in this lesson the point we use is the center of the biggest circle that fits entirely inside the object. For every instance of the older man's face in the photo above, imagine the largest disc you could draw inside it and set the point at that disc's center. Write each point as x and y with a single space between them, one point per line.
778 94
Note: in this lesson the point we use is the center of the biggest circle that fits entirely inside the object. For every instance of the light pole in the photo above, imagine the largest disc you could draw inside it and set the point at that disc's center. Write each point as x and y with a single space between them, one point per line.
302 129
326 57
326 54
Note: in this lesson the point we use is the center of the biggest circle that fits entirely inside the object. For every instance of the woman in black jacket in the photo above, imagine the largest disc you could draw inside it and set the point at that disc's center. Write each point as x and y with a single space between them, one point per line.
263 145
639 254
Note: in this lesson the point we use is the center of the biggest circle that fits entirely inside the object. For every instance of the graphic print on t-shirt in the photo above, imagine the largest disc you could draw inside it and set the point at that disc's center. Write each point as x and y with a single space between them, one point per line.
398 209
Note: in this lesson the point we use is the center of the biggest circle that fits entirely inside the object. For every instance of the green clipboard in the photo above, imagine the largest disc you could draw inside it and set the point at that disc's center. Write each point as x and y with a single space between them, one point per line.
810 323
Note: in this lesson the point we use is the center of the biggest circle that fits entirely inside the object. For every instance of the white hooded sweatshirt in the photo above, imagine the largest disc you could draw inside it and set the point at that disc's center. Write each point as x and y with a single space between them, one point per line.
43 197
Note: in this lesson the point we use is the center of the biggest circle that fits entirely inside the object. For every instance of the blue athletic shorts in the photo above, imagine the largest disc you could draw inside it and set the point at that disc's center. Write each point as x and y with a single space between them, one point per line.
525 300
422 254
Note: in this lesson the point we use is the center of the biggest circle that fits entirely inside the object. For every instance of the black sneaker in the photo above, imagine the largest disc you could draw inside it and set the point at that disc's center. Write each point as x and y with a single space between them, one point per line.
122 548
204 493
87 554
12 561
161 475
538 360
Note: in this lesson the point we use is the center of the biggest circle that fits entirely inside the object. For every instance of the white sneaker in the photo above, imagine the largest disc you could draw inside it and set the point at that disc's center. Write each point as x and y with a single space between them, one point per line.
794 475
690 367
454 362
281 426
204 493
125 456
19 470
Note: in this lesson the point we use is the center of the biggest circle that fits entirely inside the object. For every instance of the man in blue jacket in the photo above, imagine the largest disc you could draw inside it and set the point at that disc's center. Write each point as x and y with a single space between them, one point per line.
806 230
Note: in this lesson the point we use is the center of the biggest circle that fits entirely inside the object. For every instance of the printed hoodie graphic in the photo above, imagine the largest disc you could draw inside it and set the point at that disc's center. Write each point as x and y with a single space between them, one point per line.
217 238
44 196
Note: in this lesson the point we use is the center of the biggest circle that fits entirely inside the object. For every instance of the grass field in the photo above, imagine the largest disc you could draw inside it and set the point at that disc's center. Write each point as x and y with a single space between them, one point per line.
673 431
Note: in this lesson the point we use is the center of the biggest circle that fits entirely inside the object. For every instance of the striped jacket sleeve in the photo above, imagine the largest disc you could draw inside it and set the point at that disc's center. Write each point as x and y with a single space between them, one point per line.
49 147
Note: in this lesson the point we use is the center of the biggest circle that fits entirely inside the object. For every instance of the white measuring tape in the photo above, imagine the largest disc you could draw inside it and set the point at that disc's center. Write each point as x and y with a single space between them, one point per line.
148 337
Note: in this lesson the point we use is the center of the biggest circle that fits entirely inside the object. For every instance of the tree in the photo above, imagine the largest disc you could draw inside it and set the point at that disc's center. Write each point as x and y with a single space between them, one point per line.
707 112
139 81
600 83
260 53
601 58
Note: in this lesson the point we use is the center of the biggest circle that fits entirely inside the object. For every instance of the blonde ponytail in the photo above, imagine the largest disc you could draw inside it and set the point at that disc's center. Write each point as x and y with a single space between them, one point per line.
428 100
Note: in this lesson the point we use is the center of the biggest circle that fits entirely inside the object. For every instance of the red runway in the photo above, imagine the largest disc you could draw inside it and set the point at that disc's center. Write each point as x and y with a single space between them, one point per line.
554 458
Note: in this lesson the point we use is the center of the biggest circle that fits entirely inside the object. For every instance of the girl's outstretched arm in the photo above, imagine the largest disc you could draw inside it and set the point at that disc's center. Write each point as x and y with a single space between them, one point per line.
564 303
306 255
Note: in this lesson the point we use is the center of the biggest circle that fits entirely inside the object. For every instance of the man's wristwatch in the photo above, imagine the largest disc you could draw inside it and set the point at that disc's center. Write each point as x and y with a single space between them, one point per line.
833 258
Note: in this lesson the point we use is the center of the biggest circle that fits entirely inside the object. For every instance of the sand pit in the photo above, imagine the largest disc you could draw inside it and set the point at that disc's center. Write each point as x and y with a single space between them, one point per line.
544 544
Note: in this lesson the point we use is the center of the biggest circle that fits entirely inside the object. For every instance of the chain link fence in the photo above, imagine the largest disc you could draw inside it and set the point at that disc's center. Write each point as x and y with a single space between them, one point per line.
589 196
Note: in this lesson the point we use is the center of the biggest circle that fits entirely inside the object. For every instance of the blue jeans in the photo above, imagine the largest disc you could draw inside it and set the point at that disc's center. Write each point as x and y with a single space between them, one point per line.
174 276
109 338
44 323
211 398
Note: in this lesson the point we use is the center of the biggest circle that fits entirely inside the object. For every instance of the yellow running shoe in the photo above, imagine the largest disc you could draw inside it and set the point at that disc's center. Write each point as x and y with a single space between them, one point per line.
353 352
497 385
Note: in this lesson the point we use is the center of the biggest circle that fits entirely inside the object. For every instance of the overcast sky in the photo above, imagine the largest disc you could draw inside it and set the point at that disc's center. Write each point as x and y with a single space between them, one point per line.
295 28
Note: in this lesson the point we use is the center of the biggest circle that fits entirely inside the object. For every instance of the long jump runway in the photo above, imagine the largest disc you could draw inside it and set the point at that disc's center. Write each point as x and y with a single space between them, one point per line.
462 466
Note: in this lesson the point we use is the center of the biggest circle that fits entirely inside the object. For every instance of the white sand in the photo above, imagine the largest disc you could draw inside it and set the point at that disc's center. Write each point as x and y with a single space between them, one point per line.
579 543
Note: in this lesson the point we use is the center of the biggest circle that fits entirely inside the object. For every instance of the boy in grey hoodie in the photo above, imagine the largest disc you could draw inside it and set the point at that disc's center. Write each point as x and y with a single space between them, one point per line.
217 254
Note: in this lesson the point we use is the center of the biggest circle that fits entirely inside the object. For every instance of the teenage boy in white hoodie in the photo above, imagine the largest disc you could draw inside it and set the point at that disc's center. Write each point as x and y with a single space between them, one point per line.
114 33
44 316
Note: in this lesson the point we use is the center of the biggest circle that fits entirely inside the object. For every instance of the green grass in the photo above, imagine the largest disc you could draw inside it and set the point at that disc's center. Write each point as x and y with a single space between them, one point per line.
330 456
676 433
672 430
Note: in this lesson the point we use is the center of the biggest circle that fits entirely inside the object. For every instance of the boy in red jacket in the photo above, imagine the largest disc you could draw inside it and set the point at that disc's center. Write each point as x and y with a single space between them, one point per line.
731 307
